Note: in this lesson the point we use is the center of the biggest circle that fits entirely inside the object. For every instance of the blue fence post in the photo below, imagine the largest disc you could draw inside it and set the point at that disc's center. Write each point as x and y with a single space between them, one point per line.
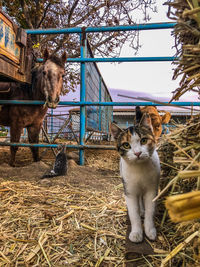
100 80
51 124
82 97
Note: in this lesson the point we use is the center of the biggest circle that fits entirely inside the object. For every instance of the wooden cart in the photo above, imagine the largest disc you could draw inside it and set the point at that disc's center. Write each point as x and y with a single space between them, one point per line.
15 55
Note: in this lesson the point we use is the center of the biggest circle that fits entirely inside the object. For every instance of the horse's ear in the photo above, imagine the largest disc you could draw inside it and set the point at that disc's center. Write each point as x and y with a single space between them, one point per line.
46 54
64 58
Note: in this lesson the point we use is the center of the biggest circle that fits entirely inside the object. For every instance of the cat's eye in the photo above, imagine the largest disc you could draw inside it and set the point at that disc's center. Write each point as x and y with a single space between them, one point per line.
143 141
126 145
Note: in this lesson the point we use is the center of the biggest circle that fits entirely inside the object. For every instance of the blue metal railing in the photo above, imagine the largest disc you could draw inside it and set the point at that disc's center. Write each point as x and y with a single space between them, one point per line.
87 103
118 59
138 27
82 98
82 60
122 59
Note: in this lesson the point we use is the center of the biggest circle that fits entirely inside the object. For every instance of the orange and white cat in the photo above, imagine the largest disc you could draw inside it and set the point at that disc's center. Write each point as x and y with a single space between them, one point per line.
140 172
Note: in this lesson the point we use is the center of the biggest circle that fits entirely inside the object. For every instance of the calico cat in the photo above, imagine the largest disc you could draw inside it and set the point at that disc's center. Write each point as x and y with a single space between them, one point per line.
140 171
60 165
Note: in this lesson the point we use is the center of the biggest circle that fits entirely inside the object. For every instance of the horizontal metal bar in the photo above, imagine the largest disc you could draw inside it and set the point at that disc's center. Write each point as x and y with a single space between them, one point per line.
122 59
56 145
118 59
87 103
137 27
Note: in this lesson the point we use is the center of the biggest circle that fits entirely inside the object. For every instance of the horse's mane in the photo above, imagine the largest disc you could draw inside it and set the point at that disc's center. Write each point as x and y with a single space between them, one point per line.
58 61
37 70
55 59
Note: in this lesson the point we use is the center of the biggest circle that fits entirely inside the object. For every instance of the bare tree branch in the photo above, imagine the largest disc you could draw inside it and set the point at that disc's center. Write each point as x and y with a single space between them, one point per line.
26 13
72 10
44 15
79 13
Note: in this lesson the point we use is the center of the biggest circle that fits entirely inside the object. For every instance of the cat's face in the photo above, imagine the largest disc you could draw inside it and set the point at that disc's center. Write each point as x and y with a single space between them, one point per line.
135 143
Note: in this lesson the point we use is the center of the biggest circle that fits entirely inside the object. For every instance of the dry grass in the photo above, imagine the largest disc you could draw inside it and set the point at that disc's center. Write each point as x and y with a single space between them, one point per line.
82 221
183 155
186 13
184 207
60 226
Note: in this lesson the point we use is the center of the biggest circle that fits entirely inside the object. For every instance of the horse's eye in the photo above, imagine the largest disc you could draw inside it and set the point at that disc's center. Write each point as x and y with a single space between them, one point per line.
143 141
63 75
44 72
126 145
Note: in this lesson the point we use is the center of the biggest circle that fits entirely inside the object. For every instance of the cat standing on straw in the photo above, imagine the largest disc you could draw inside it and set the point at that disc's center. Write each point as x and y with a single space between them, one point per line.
140 171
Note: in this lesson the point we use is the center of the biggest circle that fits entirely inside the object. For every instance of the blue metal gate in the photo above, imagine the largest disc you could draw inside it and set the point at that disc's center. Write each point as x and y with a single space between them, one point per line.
84 102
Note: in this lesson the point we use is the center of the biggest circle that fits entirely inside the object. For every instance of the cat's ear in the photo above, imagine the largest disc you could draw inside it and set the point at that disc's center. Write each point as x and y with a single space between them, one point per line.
146 121
166 117
138 114
115 130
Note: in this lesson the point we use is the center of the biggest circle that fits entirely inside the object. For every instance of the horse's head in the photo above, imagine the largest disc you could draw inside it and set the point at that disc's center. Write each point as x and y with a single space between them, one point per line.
53 72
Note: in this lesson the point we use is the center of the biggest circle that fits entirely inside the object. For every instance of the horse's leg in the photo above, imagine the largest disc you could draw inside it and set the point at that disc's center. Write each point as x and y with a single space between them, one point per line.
33 137
15 133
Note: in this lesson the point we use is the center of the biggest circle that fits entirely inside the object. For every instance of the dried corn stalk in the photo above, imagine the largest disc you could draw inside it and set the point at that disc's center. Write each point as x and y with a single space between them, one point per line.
184 207
187 43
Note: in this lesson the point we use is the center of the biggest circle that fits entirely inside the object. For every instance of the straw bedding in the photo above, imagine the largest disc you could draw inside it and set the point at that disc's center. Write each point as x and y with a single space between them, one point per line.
77 220
182 186
59 226
80 219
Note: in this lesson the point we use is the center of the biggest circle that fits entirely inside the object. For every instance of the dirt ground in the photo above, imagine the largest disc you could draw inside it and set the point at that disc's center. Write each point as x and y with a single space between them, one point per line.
99 166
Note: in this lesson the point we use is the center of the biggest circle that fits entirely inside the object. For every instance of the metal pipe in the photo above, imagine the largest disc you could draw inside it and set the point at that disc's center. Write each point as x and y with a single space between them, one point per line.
137 27
51 123
118 59
100 80
46 136
82 97
123 59
88 103
56 145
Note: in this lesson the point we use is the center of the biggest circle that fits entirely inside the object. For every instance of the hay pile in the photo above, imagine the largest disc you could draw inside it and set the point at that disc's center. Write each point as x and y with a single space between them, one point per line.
187 42
182 158
60 226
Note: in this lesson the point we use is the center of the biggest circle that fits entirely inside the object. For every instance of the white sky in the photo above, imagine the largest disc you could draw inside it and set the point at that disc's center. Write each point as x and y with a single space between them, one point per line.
151 77
154 78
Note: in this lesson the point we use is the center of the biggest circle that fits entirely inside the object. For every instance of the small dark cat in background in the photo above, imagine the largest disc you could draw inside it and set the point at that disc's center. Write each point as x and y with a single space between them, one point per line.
60 165
140 171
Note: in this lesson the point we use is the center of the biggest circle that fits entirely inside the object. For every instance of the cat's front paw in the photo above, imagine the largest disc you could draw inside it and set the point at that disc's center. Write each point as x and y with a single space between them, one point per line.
136 236
151 233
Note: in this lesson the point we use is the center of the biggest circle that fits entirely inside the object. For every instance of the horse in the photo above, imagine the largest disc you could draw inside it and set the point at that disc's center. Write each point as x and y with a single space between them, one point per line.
46 85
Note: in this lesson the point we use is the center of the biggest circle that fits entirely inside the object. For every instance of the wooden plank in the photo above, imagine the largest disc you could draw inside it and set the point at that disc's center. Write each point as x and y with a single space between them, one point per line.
10 72
8 46
135 250
15 53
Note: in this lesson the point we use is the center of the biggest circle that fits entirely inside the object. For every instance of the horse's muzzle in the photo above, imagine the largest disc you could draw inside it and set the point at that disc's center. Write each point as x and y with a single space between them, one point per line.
52 104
